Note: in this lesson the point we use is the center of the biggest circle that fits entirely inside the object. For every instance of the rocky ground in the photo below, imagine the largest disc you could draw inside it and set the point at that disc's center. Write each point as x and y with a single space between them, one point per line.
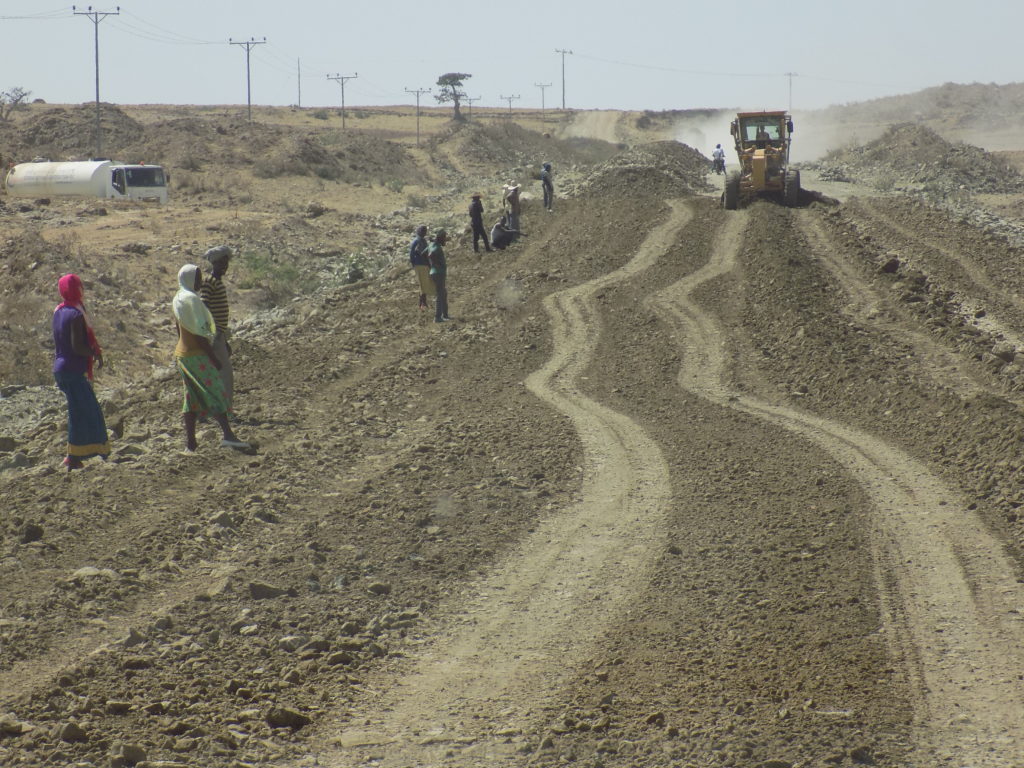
677 487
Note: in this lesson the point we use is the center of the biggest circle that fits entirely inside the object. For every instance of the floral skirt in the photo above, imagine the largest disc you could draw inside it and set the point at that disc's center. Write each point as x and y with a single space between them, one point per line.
204 390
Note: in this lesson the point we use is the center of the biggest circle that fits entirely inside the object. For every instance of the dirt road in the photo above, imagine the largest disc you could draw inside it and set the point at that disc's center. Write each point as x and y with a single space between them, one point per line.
678 486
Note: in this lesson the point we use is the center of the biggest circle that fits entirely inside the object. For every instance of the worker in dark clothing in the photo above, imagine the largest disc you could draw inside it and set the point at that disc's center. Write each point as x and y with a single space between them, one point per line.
439 274
502 235
549 187
476 219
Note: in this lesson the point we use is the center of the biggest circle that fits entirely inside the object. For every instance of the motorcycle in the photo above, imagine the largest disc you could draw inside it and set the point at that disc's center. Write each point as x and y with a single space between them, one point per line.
718 164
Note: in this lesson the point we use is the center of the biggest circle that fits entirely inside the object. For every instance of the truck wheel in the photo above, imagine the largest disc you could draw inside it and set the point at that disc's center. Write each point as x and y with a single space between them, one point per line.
791 189
731 196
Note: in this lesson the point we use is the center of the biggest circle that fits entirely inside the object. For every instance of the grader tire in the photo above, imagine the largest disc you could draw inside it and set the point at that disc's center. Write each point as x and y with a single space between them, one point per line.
791 189
731 196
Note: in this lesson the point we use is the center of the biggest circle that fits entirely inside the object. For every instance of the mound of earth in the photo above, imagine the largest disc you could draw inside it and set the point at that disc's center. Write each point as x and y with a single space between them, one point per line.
914 156
61 133
666 168
484 147
195 144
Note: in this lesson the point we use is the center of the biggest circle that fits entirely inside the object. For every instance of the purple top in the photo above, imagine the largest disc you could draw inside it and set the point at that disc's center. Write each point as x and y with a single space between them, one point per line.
66 361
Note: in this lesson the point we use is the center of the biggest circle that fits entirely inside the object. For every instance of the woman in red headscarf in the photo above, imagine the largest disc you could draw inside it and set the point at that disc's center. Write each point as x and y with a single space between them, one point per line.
76 349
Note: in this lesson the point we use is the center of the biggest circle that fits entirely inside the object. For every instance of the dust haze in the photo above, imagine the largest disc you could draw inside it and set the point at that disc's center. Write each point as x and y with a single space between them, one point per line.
814 134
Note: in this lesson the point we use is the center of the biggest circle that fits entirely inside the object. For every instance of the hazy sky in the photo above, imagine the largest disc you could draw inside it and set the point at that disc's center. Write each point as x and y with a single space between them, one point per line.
644 54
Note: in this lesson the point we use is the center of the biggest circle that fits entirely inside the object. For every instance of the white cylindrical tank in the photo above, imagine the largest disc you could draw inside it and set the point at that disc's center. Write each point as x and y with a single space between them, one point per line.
87 178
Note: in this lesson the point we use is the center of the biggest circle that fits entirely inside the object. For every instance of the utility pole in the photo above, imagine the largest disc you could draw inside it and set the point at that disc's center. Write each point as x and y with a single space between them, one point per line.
469 112
340 80
419 92
542 86
563 52
790 75
96 17
298 79
248 45
509 99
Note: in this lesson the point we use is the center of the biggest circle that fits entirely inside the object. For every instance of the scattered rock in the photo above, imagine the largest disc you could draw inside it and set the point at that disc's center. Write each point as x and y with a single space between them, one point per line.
862 755
30 532
73 733
283 717
10 725
259 590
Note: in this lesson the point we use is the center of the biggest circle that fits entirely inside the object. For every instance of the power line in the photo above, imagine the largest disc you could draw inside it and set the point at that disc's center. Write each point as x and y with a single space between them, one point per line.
96 17
419 92
470 101
41 16
542 86
709 73
160 34
248 45
341 80
509 99
563 52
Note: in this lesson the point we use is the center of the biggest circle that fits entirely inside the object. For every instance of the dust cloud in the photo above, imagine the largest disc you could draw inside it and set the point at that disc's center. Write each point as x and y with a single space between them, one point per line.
508 295
702 133
814 134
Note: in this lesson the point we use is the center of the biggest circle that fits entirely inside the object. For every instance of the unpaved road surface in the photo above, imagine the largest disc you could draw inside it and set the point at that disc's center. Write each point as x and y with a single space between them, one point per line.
677 487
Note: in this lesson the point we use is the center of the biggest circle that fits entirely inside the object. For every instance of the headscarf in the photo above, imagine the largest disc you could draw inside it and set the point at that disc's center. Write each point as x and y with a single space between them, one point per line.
71 289
189 309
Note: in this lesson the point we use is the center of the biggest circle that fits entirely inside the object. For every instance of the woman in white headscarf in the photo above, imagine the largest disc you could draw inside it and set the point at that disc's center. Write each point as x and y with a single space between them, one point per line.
197 363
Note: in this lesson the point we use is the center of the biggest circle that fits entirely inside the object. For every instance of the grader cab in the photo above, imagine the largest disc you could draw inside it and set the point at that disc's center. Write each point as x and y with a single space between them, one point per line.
762 144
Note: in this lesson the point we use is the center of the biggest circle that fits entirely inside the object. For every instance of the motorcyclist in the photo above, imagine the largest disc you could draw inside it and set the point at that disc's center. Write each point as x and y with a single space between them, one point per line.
718 159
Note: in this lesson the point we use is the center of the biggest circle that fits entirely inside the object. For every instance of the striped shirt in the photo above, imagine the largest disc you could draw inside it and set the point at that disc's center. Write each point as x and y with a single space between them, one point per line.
215 297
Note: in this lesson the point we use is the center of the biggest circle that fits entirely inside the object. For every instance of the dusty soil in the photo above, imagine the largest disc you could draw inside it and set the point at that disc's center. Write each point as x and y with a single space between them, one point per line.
677 487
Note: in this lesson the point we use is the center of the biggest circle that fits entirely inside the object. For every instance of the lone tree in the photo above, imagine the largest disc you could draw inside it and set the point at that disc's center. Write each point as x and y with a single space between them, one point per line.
451 90
10 100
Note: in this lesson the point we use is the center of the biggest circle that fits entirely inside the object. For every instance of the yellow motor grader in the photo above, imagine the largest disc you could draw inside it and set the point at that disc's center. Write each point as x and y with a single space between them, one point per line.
762 144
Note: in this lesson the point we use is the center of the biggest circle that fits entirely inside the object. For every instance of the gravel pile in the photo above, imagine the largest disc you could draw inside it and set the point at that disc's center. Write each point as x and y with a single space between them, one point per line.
914 157
665 168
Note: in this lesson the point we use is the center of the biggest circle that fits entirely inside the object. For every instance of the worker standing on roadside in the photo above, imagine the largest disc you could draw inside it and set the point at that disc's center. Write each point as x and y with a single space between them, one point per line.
215 297
548 185
476 220
439 274
513 205
197 363
75 349
418 261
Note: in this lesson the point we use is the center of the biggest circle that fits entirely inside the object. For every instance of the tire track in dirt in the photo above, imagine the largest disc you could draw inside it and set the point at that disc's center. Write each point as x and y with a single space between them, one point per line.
869 307
88 639
494 669
986 303
951 597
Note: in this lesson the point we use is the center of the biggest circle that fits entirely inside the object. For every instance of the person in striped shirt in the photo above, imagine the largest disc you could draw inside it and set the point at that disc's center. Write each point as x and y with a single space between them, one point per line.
215 296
